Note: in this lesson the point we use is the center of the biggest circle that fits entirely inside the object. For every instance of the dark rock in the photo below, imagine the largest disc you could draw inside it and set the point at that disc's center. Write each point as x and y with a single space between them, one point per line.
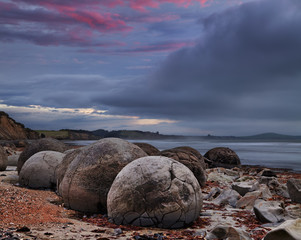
223 157
45 144
3 159
294 189
189 160
23 229
196 153
149 149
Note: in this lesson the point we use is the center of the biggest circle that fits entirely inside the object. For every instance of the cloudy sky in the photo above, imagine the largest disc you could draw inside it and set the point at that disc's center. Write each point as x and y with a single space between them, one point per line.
193 67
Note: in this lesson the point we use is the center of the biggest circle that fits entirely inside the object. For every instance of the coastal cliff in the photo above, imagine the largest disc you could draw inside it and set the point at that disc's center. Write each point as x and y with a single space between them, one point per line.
12 130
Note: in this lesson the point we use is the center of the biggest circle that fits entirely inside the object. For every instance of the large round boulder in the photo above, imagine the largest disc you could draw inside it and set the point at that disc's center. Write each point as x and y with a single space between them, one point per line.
155 191
149 149
195 152
38 171
222 157
44 144
3 159
189 160
90 174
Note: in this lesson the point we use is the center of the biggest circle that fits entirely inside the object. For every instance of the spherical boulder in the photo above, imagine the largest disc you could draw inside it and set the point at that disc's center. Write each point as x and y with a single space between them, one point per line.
90 174
3 159
44 144
222 157
189 160
155 191
149 149
38 171
195 152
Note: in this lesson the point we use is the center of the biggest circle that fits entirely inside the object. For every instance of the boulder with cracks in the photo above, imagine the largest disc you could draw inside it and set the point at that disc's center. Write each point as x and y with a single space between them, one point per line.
155 192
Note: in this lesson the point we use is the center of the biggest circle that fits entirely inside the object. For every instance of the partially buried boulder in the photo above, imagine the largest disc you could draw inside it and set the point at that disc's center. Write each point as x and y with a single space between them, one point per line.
149 149
223 157
155 192
45 144
90 174
190 160
38 172
3 159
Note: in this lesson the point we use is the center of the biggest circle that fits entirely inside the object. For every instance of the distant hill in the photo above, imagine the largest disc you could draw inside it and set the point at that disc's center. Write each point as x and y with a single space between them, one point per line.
272 136
12 130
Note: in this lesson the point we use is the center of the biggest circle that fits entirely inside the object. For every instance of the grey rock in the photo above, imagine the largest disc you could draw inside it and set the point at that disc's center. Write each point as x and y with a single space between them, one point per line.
289 230
213 193
293 211
269 211
227 196
12 179
275 187
228 232
12 160
161 191
244 187
44 144
38 172
294 189
3 159
91 172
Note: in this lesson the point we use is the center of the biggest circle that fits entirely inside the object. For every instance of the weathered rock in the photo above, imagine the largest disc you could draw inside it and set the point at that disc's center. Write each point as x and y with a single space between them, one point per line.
220 177
155 191
227 196
248 201
45 144
189 160
294 189
223 157
267 173
293 211
38 172
244 187
149 149
289 230
228 232
12 160
12 179
196 153
90 174
3 159
214 193
269 211
275 187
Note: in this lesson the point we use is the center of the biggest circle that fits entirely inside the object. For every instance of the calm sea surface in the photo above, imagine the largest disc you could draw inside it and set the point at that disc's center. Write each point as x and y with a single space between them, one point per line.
269 154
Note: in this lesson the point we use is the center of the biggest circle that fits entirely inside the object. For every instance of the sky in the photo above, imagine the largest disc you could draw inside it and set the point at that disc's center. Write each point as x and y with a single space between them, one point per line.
190 67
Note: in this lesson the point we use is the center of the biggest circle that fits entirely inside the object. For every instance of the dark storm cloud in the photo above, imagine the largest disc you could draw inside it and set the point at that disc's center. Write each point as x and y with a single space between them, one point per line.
246 65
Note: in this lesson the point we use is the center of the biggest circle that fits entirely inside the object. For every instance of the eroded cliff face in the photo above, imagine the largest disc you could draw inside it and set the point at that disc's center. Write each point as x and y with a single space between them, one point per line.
12 130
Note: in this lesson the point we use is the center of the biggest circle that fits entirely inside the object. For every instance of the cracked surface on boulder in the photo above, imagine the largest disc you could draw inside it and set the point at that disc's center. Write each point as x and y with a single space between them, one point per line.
90 174
190 160
155 191
223 157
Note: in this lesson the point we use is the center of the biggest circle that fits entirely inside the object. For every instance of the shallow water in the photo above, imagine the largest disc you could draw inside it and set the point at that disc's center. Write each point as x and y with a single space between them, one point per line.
269 154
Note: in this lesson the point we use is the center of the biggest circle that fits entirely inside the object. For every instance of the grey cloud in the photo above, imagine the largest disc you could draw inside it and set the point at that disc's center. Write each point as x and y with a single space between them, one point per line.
246 65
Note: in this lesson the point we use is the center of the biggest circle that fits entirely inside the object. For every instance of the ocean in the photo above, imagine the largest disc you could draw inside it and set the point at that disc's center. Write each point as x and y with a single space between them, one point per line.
269 154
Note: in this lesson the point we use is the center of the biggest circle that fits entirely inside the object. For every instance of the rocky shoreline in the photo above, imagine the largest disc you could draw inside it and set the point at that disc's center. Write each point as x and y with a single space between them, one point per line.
238 203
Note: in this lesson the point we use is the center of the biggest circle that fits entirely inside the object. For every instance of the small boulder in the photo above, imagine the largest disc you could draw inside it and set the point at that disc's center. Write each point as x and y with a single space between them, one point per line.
227 196
45 144
189 160
3 159
228 232
149 149
155 192
294 189
223 157
290 230
244 187
89 176
269 211
38 172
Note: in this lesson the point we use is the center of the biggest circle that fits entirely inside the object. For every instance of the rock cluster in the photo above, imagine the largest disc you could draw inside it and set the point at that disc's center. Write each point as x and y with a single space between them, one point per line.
155 191
44 144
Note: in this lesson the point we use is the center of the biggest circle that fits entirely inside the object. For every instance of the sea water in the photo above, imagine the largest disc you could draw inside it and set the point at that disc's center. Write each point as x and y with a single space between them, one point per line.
269 154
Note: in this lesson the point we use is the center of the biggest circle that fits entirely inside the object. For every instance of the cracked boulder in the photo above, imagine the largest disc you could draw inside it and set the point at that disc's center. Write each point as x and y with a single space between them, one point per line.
44 144
223 157
190 160
3 159
149 149
294 189
155 192
290 230
90 174
38 172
